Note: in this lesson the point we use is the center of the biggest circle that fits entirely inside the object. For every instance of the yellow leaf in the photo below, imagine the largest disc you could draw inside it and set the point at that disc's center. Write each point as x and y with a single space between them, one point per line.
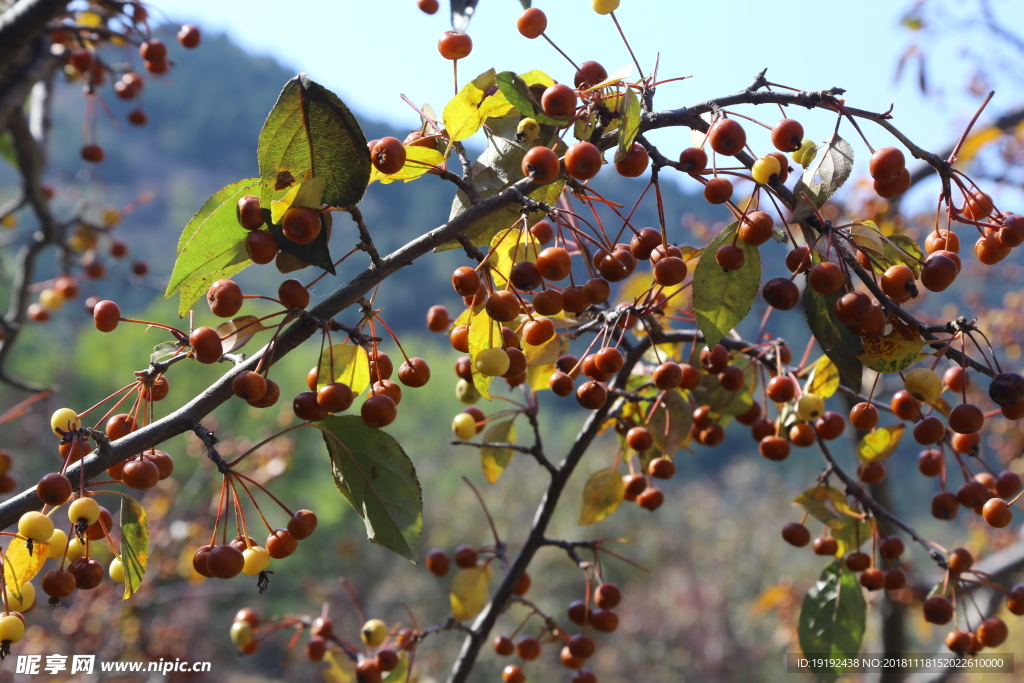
309 193
602 495
894 352
418 160
20 566
866 235
510 247
881 443
548 352
539 377
824 378
770 598
351 366
469 592
89 19
484 333
495 460
976 142
337 673
462 116
942 405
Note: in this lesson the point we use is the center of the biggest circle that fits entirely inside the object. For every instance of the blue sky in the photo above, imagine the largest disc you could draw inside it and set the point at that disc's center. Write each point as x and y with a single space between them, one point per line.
372 51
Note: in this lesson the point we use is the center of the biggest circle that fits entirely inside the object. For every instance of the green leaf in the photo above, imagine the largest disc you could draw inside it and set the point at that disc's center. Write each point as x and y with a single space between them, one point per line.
351 366
484 333
602 495
881 443
378 480
824 378
830 506
630 125
832 618
711 393
835 339
721 298
669 425
495 460
418 161
462 115
212 245
162 350
469 593
905 249
7 148
833 162
315 253
516 90
134 544
311 133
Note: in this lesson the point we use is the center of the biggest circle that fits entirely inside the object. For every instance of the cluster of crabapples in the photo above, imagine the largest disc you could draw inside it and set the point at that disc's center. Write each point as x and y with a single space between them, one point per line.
225 298
381 653
85 243
89 521
576 649
118 24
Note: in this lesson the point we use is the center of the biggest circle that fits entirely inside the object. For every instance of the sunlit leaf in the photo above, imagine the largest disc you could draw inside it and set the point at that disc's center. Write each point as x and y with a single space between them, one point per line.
833 162
309 193
630 124
721 299
881 443
495 460
418 161
235 333
517 91
548 352
310 133
351 366
538 377
831 622
469 593
134 544
510 247
21 567
830 506
905 249
484 333
212 245
401 671
378 480
824 378
895 351
462 115
977 141
602 495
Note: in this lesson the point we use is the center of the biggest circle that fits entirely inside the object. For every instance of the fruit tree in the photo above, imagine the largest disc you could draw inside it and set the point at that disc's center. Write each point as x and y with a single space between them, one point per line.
818 321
